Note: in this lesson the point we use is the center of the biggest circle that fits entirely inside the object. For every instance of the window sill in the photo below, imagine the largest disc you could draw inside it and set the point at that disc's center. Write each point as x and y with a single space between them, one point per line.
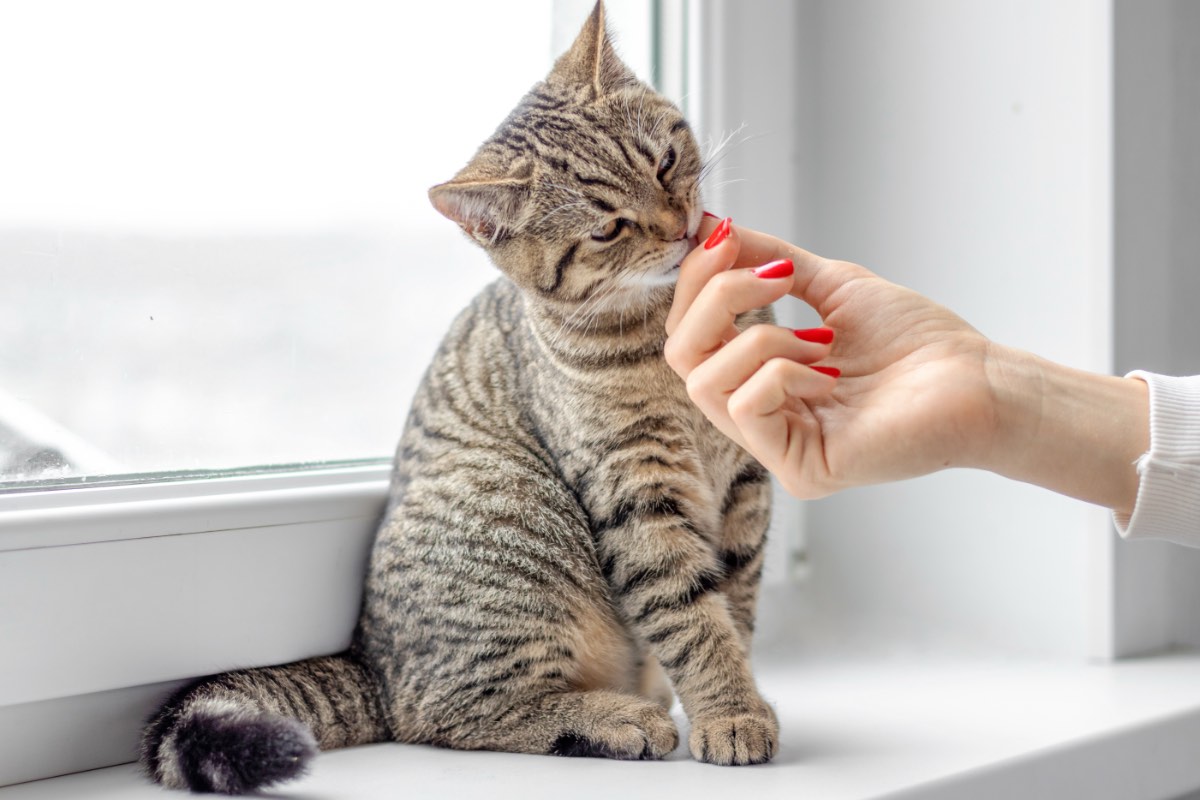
110 595
913 728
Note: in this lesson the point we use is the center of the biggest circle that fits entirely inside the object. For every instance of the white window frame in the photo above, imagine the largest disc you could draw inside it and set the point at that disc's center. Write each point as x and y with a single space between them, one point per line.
111 595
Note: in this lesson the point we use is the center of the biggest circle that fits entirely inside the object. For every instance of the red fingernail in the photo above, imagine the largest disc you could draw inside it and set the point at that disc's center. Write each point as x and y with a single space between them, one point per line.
776 269
832 372
720 234
710 214
818 335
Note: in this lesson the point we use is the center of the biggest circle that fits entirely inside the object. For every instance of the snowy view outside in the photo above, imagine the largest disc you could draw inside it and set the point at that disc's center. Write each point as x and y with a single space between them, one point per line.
215 241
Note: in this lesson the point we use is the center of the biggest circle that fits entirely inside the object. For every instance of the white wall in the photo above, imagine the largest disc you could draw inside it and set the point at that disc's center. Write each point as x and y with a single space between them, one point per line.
1156 241
963 149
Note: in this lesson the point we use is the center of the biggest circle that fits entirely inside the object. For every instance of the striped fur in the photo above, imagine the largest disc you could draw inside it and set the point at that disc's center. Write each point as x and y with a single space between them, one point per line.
567 538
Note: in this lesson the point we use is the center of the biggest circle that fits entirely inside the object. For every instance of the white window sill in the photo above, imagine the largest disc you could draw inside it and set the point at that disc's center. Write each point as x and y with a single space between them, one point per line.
852 728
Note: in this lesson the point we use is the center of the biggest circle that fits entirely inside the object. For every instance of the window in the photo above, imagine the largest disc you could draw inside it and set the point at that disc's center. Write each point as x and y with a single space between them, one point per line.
214 230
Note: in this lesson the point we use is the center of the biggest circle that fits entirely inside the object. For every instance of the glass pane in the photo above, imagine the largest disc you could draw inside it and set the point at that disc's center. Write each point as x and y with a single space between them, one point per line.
215 241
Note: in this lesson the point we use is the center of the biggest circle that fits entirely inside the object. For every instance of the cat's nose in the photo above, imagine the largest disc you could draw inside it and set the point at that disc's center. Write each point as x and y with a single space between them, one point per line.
672 226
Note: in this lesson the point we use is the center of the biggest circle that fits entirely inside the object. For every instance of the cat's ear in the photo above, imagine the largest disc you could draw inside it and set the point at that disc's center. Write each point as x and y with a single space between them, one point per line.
486 208
592 62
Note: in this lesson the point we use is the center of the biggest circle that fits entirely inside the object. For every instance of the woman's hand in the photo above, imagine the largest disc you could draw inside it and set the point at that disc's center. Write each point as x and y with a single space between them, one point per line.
919 389
912 396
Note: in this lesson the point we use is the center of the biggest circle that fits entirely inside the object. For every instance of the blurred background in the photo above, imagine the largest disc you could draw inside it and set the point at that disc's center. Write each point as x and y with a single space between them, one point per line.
215 242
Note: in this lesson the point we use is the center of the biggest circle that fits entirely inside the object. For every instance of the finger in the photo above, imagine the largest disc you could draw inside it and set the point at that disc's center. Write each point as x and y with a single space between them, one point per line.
817 278
759 411
759 248
705 326
715 255
713 381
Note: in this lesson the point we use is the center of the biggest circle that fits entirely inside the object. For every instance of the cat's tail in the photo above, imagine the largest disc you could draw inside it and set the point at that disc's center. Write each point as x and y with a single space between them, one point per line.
240 731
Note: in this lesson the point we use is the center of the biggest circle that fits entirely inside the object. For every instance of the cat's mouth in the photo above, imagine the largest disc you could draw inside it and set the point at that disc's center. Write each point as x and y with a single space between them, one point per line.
663 274
692 243
670 270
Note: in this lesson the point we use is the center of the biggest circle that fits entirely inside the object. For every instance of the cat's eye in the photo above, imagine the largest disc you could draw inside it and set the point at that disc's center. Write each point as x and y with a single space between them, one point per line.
610 230
668 161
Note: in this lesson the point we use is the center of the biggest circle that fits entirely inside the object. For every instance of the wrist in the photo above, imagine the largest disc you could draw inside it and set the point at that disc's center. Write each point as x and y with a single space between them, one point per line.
1017 384
1074 432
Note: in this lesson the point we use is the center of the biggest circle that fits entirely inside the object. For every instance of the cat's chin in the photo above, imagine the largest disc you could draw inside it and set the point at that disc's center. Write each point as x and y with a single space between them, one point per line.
666 274
656 280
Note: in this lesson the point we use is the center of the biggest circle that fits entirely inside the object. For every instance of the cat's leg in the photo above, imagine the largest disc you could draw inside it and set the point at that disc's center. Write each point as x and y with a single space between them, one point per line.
746 514
665 572
563 681
653 683
491 627
595 723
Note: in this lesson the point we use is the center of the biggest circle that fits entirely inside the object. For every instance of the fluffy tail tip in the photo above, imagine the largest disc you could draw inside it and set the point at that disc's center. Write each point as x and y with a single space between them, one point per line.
237 754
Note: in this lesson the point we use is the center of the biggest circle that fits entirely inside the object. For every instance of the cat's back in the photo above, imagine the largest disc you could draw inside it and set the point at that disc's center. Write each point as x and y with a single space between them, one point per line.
474 370
466 410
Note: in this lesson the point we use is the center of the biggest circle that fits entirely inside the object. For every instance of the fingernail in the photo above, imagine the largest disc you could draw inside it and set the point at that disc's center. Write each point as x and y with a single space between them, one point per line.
710 214
720 234
818 335
776 269
832 372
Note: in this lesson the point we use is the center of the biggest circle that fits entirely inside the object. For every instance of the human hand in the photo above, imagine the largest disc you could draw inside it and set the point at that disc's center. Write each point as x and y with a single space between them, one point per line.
915 392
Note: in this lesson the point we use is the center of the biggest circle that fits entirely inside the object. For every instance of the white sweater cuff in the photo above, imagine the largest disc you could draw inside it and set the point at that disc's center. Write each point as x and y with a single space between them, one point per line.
1168 500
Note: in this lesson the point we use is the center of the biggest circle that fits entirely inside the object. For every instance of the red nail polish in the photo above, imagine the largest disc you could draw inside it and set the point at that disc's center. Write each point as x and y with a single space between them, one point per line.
776 269
710 214
720 234
818 335
832 372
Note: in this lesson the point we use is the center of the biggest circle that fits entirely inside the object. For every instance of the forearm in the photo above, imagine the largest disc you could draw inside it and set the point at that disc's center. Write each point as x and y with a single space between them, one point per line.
1074 432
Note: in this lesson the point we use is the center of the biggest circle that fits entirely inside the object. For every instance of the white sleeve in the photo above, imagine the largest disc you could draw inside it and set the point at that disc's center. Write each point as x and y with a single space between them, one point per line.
1168 500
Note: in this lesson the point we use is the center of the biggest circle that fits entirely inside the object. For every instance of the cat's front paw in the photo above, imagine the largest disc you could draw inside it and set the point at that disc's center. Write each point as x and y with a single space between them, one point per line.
629 728
735 739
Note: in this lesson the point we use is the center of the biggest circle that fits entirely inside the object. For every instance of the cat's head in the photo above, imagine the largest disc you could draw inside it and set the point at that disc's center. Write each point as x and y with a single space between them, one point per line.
589 191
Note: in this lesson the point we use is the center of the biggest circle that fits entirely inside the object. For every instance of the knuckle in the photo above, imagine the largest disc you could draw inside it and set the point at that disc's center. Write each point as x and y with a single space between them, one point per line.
723 282
776 370
759 336
742 404
673 354
699 387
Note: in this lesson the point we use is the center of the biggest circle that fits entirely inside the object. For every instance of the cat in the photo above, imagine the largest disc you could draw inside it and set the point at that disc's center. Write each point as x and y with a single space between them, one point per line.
567 538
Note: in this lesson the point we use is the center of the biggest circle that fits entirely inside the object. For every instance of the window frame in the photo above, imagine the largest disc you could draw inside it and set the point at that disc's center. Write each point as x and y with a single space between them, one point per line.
233 571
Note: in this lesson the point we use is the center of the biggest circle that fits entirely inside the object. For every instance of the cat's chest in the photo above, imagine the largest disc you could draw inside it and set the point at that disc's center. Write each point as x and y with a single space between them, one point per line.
640 420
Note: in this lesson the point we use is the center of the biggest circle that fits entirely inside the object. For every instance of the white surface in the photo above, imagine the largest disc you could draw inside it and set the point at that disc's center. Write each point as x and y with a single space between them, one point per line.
108 594
1157 154
116 587
851 729
962 147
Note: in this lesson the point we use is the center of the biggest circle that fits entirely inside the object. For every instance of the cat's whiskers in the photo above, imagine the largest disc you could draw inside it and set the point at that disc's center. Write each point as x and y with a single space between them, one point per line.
653 132
567 189
720 184
641 107
628 115
716 154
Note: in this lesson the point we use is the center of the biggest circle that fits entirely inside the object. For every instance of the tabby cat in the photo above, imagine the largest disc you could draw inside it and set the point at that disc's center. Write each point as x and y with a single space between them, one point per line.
565 531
